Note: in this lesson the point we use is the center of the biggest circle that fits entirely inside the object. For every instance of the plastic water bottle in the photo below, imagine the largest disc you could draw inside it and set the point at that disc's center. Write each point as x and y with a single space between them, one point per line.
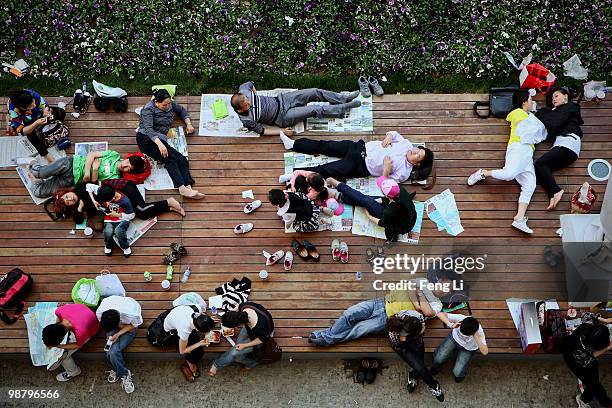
186 274
169 272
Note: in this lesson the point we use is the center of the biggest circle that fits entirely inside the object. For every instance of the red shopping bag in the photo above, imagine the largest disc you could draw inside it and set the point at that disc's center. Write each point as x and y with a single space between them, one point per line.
536 76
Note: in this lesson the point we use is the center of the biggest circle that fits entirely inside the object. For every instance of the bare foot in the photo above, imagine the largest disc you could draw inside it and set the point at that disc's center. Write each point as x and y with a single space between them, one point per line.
332 182
188 192
32 178
213 371
554 201
175 206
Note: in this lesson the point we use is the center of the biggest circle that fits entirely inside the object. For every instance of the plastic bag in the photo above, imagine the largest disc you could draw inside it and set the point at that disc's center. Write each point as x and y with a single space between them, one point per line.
531 130
538 77
109 284
573 68
583 199
190 298
86 292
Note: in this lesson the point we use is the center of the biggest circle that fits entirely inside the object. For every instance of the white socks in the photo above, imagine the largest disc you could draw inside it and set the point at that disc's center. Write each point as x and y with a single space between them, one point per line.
288 143
285 178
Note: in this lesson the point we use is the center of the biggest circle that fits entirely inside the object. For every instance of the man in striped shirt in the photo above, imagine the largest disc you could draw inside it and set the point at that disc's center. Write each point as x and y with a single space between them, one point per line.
289 108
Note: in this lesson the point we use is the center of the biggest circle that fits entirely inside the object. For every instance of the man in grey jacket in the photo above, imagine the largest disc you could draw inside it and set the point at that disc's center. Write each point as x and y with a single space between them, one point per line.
289 108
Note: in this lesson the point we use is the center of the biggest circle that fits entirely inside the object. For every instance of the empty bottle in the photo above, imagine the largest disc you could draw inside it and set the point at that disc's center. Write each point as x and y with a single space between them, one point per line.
186 274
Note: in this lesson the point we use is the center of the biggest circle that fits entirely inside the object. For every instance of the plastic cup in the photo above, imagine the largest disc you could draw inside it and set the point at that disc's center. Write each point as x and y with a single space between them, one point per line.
147 276
88 232
165 284
601 95
263 275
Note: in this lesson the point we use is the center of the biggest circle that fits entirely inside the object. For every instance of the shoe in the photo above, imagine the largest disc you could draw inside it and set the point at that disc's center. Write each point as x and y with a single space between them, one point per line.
127 252
300 249
475 177
178 248
108 251
171 258
127 384
364 87
249 208
243 228
360 376
24 161
335 250
521 225
344 252
63 377
371 375
288 263
437 392
411 384
375 86
274 258
284 178
581 404
350 96
112 377
457 379
312 251
327 211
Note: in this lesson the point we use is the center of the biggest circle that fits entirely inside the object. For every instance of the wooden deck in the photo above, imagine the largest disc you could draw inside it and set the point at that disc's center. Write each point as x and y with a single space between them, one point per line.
310 295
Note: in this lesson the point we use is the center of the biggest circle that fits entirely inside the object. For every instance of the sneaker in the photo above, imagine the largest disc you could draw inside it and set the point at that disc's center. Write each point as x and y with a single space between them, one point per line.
126 252
350 96
24 161
288 263
63 377
112 377
127 384
284 178
250 207
458 379
411 384
108 251
274 258
581 404
364 87
477 176
437 392
375 86
521 225
243 228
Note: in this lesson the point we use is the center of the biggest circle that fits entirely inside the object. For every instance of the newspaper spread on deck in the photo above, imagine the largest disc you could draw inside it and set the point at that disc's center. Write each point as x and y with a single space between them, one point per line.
442 210
363 226
82 149
159 178
137 229
359 119
12 147
342 222
39 316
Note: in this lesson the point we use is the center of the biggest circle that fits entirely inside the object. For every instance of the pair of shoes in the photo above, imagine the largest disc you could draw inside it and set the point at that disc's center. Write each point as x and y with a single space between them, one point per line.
372 255
521 225
63 377
339 251
475 177
369 85
274 258
177 250
243 228
306 250
371 366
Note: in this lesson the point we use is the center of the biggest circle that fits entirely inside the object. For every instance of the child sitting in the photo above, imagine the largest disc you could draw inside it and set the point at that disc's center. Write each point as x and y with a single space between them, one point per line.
118 213
298 211
307 182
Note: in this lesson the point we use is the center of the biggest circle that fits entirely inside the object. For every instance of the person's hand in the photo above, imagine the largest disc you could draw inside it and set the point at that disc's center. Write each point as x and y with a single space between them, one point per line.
204 343
41 121
240 347
162 148
189 129
288 131
386 141
114 337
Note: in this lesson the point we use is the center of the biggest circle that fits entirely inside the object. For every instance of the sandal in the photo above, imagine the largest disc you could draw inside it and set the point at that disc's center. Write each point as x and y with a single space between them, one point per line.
344 252
380 252
188 374
335 247
171 258
180 249
300 249
370 255
312 251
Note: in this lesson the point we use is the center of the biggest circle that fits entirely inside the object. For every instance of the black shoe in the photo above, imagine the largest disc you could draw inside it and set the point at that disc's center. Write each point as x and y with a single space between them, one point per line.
411 384
459 379
371 375
360 376
437 392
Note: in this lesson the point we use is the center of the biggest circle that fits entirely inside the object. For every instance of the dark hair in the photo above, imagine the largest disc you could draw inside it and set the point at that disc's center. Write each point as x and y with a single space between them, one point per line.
277 197
203 323
519 97
53 334
161 95
110 320
597 337
137 163
300 184
234 319
570 93
469 326
237 100
427 159
410 324
21 98
58 113
105 193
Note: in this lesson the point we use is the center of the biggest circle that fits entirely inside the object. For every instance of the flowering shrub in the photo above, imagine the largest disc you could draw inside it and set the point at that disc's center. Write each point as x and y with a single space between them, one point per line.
71 39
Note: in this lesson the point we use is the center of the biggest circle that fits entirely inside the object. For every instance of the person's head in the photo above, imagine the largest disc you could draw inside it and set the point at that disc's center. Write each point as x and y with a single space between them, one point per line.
389 187
107 194
240 103
53 334
560 97
22 100
300 184
277 197
469 326
408 326
65 198
420 156
133 165
234 319
110 320
58 113
162 99
597 337
521 99
316 182
203 323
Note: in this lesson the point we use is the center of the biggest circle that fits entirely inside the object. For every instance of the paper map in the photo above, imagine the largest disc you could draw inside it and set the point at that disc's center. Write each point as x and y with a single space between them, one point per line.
82 149
137 229
442 210
342 222
159 178
359 119
363 226
39 316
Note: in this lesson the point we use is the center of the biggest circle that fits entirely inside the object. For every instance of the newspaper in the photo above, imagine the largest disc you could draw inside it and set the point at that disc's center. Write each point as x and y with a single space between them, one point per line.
359 119
39 316
342 222
23 173
137 229
82 149
365 185
442 210
159 178
12 147
363 226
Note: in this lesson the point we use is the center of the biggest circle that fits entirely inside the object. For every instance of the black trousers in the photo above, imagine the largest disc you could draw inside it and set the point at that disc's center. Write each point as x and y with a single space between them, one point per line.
176 164
196 355
555 159
143 210
352 155
590 379
38 143
416 360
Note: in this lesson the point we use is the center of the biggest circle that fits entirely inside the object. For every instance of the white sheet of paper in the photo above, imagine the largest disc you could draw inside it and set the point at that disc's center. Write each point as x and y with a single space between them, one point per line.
248 194
215 301
137 229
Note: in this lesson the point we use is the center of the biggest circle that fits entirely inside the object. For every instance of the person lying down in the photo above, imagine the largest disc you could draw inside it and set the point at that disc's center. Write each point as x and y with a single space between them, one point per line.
298 212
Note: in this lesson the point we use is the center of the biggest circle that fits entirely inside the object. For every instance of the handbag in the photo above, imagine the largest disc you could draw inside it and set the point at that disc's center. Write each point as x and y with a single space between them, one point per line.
536 76
499 104
269 352
109 284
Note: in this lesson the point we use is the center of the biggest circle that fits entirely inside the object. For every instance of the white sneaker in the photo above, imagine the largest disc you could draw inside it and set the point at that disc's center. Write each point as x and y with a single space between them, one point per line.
250 207
108 251
475 177
521 225
127 384
63 377
582 404
112 377
243 228
126 252
284 178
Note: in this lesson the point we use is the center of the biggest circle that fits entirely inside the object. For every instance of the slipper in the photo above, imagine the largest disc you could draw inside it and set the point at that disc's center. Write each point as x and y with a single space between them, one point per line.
249 208
312 251
335 247
288 261
300 249
344 252
187 373
370 255
381 251
274 258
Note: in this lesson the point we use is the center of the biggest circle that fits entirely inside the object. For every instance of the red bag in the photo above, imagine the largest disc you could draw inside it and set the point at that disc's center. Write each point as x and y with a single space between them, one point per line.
583 199
140 177
538 77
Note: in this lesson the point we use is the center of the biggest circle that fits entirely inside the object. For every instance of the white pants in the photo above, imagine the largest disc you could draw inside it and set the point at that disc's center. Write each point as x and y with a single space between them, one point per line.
519 167
69 365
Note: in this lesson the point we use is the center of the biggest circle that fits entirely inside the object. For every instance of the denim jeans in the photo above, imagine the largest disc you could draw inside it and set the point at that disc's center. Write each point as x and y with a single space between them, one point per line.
356 198
119 229
114 356
52 176
445 351
416 360
359 320
232 355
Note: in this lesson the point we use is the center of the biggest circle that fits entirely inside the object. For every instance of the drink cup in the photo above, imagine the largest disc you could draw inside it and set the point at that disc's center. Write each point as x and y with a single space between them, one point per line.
165 284
147 276
263 275
88 232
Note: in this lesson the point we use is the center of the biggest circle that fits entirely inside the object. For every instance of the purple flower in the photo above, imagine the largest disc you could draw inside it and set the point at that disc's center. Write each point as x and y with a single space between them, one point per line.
27 52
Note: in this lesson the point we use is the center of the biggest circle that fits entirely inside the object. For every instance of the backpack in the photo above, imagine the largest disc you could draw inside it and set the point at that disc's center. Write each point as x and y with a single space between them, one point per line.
54 133
553 330
102 103
156 335
14 288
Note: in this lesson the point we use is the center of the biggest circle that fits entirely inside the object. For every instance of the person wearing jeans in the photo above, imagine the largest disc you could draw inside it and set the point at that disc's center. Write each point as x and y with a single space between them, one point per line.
467 337
243 356
118 212
51 177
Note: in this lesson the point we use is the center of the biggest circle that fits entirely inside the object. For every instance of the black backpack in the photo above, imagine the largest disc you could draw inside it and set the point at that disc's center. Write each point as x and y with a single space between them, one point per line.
156 334
103 103
553 330
14 288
